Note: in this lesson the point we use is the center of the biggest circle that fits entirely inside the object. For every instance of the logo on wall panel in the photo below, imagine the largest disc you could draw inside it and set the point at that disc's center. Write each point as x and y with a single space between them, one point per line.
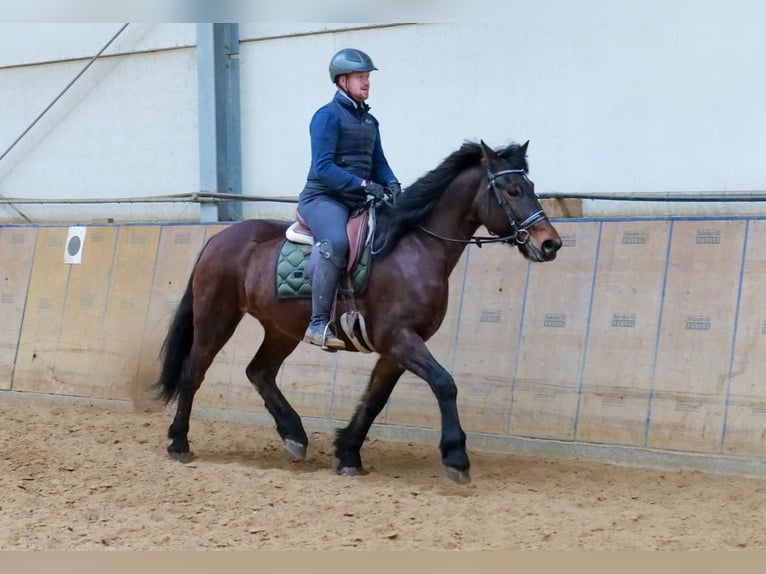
569 240
697 323
490 316
624 320
688 405
556 320
708 237
635 237
74 244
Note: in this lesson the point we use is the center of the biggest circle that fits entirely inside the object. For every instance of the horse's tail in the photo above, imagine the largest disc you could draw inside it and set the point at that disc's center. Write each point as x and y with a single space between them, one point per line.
177 345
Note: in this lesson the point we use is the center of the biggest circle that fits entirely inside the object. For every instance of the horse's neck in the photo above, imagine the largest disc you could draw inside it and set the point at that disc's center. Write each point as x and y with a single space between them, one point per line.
453 217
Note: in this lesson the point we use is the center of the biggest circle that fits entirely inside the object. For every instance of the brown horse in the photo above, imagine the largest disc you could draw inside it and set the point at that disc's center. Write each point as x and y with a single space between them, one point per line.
417 243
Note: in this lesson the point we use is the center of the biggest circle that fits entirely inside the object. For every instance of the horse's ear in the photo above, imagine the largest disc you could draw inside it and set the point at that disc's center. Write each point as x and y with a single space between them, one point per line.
487 152
525 146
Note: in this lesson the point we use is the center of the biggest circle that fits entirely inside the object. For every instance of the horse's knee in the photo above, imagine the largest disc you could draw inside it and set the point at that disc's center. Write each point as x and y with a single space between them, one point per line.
445 389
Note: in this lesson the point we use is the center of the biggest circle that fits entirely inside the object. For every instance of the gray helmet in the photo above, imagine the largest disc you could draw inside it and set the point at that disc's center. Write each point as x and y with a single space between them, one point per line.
350 60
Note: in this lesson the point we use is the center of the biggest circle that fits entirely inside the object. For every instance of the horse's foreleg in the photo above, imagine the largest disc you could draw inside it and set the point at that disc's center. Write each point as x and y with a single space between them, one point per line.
412 354
349 440
262 373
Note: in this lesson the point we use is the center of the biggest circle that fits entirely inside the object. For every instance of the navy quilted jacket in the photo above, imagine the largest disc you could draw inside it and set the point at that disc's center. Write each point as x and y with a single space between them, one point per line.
345 149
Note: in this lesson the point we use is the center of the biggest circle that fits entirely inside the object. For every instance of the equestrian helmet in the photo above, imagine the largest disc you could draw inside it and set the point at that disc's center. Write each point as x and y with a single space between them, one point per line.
349 60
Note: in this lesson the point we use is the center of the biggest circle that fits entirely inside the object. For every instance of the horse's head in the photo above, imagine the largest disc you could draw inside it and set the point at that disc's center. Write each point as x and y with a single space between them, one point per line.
510 208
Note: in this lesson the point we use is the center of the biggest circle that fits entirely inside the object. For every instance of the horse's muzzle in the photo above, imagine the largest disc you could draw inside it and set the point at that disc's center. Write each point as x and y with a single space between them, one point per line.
543 244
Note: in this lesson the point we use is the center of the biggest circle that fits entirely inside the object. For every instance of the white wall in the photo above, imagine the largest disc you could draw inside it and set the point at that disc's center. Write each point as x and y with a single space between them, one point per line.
127 127
617 100
614 98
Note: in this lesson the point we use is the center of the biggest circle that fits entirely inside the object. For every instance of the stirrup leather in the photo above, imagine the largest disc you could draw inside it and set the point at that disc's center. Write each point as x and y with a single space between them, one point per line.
348 322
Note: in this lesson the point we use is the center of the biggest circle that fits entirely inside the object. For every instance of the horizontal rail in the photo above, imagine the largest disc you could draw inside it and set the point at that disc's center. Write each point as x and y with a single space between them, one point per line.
721 197
197 197
211 197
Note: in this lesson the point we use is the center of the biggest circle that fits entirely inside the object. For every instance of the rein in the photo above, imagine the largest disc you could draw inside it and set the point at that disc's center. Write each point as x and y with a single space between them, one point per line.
519 234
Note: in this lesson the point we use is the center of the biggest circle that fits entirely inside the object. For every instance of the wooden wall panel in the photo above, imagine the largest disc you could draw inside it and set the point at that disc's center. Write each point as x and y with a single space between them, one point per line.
745 432
488 336
695 344
17 248
622 338
126 310
41 329
547 378
79 368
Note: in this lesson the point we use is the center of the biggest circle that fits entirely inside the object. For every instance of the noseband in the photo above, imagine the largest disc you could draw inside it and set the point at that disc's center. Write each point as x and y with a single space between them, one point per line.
519 231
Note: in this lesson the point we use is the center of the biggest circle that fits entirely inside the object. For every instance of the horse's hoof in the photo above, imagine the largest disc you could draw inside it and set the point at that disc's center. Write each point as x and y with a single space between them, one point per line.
182 457
351 471
296 449
457 476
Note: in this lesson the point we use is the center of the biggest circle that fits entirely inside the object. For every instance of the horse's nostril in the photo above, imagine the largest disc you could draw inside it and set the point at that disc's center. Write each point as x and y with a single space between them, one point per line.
550 247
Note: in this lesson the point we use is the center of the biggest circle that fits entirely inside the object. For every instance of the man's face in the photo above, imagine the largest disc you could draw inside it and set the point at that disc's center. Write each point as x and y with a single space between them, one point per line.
357 85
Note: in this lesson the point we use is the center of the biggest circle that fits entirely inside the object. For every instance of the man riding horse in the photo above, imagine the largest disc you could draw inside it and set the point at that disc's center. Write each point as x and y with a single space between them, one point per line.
347 166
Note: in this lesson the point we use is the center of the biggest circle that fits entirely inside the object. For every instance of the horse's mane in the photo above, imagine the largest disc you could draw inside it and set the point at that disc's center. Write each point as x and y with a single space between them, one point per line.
419 199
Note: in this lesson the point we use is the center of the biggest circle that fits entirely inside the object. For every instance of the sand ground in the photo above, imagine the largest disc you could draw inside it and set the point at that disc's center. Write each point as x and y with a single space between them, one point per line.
88 477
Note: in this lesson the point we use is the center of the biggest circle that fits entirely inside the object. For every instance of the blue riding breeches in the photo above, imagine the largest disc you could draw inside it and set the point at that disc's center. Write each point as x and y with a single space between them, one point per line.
327 219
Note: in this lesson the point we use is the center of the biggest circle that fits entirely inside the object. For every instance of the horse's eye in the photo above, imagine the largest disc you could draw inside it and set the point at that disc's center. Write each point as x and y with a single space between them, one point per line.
512 189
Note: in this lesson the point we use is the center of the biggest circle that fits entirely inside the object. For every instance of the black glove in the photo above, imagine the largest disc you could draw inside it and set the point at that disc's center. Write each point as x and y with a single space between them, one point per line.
375 190
394 188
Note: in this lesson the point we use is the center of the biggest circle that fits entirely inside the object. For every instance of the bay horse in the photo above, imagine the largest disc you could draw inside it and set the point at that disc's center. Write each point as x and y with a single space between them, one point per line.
417 243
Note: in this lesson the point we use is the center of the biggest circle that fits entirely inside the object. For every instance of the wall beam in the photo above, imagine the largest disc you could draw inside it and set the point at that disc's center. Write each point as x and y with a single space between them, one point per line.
220 142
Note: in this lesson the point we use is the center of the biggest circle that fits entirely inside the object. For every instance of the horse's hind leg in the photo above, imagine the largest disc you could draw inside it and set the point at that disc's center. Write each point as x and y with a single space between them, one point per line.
262 373
348 441
210 334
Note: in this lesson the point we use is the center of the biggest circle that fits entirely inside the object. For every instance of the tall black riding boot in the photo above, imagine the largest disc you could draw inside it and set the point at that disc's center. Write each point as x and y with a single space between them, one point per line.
323 288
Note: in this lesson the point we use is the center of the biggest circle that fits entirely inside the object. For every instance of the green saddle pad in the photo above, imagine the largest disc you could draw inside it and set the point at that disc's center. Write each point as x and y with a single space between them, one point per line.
292 272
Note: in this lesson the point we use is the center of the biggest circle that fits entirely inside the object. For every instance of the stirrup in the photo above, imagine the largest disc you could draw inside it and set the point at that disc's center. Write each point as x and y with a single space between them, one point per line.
329 342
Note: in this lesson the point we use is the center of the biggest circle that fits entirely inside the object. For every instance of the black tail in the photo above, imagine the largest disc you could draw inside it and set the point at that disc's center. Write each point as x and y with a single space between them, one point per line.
177 345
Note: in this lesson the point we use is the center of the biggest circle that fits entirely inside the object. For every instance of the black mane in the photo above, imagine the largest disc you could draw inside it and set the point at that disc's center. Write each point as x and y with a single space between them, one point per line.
420 198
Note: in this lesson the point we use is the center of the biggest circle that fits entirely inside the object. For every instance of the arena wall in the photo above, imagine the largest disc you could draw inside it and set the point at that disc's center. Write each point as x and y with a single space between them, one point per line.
638 344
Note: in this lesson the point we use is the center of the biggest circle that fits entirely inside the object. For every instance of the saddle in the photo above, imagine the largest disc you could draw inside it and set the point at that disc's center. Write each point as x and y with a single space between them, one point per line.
359 230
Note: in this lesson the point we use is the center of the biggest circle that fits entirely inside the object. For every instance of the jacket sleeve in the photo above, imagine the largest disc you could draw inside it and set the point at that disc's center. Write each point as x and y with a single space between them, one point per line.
324 129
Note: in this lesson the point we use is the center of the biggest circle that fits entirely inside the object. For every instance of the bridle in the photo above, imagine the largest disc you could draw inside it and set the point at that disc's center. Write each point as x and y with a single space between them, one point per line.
519 231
